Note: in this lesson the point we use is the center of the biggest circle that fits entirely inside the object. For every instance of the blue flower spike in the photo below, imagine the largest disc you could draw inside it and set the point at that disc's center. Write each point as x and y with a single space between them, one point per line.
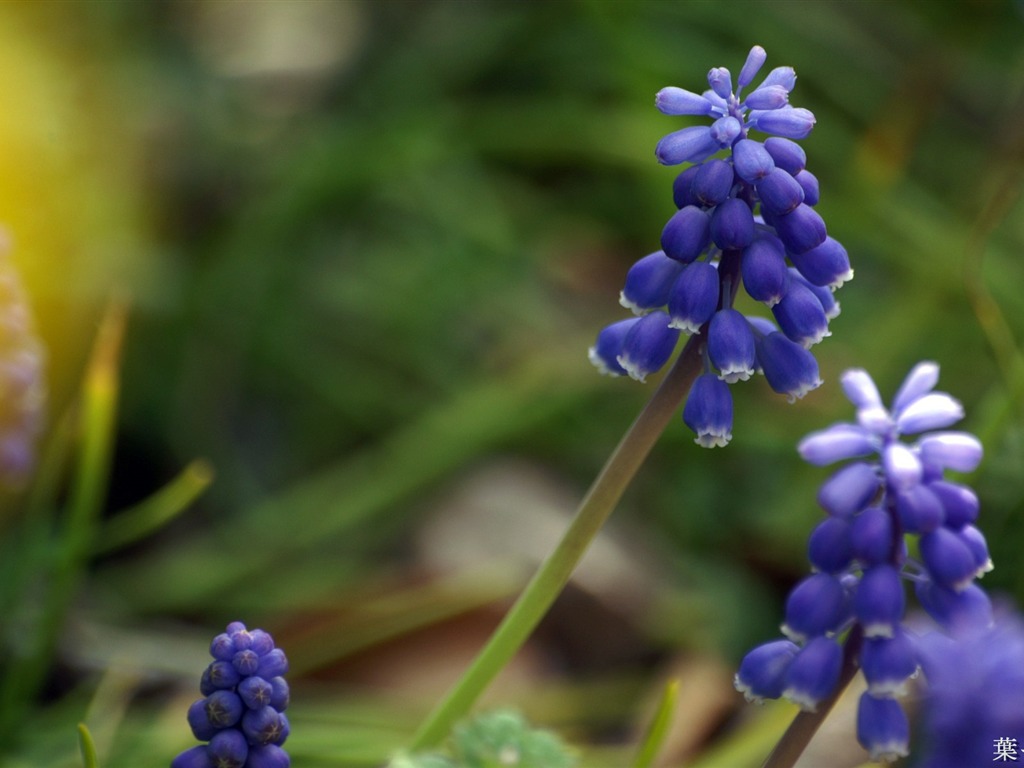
241 715
745 219
892 488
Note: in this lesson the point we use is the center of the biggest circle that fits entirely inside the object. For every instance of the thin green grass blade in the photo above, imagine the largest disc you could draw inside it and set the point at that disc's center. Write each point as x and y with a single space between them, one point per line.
88 747
658 730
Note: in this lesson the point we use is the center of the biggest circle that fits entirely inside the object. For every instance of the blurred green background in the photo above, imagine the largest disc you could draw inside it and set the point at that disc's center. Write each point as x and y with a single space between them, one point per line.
364 247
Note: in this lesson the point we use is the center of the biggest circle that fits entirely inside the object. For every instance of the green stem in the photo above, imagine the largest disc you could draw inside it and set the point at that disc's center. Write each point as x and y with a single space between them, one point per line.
552 576
796 738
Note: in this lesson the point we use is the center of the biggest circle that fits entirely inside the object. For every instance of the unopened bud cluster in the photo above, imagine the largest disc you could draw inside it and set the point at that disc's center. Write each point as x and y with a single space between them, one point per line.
22 389
745 217
891 491
241 715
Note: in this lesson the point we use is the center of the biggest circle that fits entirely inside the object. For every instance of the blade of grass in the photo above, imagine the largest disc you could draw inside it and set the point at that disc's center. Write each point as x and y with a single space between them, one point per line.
88 747
658 729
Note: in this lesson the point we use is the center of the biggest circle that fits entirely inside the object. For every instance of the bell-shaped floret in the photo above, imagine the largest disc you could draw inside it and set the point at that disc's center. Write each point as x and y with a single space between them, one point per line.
920 381
849 489
686 234
887 663
678 101
813 673
959 503
801 229
958 451
882 728
649 282
720 81
751 160
828 264
789 368
919 509
763 670
689 145
755 60
801 316
879 601
948 558
935 410
606 350
647 346
767 97
228 749
790 122
835 443
763 269
268 756
975 541
809 182
263 726
970 607
788 155
682 195
871 536
902 466
708 411
196 757
725 130
816 606
712 182
731 346
779 193
694 297
732 225
829 547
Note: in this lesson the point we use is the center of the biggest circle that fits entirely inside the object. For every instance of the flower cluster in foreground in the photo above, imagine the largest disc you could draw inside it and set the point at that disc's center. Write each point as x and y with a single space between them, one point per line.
241 714
22 389
745 217
892 490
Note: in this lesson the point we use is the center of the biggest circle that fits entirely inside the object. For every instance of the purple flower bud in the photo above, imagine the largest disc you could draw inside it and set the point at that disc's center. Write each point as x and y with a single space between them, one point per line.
882 728
196 757
245 661
199 721
871 536
242 640
860 389
827 264
712 182
789 368
801 316
221 674
801 229
958 451
829 547
228 749
235 626
779 193
223 708
708 411
732 225
763 269
262 642
681 194
920 381
788 155
959 503
920 510
825 297
755 60
649 281
280 696
879 601
849 489
767 97
784 76
731 346
725 130
678 101
762 672
686 234
268 756
222 647
835 443
647 346
948 558
694 297
720 81
274 663
887 663
975 541
262 726
932 411
809 182
815 606
689 145
790 122
952 609
902 467
751 160
606 350
813 673
255 692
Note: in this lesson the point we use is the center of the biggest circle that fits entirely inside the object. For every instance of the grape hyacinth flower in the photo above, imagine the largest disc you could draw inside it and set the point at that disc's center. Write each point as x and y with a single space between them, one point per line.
241 714
889 490
745 217
22 389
